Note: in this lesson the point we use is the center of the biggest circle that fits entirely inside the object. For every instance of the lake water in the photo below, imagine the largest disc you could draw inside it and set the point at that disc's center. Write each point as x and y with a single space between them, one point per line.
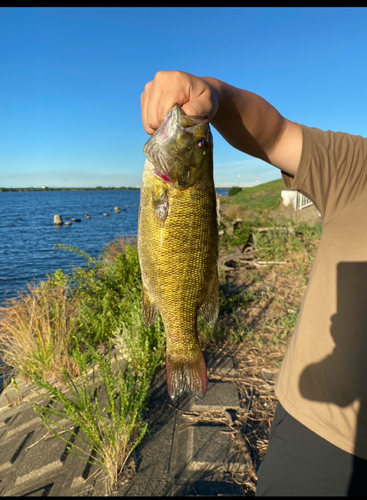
28 234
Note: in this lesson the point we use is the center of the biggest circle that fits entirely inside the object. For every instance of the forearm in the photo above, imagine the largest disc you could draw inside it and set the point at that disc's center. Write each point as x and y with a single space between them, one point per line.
246 120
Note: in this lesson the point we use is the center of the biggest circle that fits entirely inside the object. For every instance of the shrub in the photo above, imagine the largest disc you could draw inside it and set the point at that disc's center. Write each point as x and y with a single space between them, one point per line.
105 290
234 190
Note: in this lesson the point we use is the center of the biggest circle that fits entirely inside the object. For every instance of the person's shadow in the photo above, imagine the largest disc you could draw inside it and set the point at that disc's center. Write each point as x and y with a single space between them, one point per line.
341 378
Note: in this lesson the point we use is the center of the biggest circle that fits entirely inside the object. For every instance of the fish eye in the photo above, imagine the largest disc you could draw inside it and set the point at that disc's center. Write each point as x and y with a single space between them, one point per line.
202 142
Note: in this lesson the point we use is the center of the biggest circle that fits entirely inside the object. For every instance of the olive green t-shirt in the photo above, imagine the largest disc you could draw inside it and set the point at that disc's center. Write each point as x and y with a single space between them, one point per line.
323 378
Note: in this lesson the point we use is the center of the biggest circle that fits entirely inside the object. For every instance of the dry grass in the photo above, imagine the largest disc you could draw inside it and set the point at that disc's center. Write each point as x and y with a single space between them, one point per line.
233 211
36 330
116 247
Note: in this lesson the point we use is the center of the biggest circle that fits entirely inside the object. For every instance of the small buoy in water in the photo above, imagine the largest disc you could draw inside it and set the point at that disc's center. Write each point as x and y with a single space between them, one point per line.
117 210
87 216
67 223
58 220
105 214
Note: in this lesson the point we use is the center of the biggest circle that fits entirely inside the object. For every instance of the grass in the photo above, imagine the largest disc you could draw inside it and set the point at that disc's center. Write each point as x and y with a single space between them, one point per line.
259 303
262 197
36 330
258 298
101 411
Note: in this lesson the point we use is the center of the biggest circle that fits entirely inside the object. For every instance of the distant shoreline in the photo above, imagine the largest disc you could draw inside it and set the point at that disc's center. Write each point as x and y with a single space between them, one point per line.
98 188
3 189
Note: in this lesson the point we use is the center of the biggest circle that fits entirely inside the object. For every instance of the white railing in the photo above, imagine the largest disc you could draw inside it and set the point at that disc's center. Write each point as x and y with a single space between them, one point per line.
293 197
302 201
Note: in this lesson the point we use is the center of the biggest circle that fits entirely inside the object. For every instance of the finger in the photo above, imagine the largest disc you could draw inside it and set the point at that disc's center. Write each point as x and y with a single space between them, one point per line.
160 95
149 123
154 107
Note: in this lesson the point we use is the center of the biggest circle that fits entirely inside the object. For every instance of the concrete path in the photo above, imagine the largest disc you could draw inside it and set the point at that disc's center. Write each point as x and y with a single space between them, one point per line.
174 459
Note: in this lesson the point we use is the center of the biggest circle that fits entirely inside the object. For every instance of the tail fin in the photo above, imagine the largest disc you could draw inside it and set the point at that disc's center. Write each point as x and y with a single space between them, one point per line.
187 376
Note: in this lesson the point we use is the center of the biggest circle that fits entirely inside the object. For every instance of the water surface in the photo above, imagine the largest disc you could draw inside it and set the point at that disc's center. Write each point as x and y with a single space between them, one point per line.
28 234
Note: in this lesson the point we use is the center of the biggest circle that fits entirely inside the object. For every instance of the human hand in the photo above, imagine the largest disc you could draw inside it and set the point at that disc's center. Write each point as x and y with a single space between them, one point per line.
194 94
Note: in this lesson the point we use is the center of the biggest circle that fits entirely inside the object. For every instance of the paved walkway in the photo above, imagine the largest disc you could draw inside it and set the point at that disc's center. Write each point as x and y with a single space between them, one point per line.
174 459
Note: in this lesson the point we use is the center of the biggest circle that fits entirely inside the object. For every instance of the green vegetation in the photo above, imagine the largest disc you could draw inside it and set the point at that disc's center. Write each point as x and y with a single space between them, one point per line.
104 290
81 338
109 420
263 196
272 253
234 190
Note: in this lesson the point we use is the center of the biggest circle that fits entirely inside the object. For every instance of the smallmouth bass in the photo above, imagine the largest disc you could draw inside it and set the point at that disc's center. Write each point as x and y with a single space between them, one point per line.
178 243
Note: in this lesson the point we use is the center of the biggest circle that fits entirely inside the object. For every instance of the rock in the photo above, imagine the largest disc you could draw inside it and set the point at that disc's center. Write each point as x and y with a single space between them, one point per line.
58 220
67 223
105 214
75 219
87 216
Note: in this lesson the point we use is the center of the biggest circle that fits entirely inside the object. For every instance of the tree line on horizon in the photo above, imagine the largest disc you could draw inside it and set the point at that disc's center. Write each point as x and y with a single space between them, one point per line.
45 188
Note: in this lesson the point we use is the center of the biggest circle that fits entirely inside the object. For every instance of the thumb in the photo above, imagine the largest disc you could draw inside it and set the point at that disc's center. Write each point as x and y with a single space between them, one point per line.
194 108
205 104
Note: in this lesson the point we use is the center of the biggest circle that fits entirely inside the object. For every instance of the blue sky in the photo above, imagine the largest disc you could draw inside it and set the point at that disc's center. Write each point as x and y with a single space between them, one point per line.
71 79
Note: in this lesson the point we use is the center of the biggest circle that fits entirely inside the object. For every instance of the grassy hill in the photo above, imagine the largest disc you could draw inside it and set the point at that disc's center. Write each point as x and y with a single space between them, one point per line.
264 196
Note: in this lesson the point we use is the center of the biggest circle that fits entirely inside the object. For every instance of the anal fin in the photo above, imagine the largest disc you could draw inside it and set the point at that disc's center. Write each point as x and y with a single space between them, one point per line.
210 307
150 310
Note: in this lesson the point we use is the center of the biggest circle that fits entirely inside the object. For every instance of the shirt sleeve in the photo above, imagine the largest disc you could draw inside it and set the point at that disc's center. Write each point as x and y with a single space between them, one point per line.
332 171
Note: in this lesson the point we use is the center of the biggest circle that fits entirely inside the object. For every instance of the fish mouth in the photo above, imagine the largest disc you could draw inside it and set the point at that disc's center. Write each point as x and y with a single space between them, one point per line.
155 148
162 176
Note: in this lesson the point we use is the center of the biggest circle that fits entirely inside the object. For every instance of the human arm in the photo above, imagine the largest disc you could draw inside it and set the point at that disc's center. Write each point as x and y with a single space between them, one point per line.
244 119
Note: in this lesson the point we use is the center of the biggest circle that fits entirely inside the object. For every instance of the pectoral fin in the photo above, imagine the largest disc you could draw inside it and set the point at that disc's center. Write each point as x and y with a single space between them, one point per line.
149 308
160 204
210 306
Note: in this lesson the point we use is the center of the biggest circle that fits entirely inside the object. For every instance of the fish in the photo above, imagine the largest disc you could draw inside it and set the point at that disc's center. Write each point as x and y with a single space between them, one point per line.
178 244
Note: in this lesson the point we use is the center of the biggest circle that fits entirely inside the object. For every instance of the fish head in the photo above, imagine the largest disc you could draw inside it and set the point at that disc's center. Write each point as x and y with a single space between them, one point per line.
181 149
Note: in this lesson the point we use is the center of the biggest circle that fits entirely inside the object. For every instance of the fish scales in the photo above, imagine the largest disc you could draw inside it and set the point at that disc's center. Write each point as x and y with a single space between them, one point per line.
178 246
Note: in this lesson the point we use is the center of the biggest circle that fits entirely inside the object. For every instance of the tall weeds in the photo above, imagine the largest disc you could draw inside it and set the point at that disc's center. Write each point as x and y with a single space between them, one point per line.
101 411
36 331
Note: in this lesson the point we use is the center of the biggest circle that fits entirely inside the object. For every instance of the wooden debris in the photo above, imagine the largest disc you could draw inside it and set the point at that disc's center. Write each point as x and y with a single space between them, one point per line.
245 258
